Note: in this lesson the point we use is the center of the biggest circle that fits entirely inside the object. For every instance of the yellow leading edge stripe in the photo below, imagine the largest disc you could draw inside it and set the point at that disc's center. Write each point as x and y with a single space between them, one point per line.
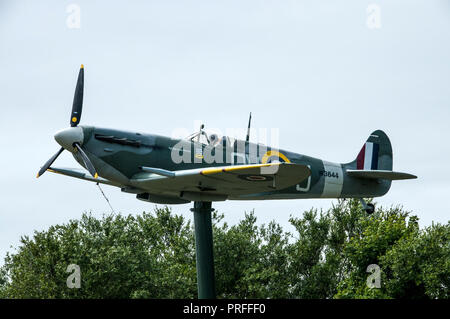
234 168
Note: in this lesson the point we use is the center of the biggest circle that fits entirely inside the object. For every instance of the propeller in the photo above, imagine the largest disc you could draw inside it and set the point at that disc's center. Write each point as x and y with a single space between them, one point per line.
77 106
86 161
49 162
75 117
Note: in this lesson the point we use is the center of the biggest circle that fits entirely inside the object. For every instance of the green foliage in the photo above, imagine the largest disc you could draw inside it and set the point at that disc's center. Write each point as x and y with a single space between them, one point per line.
148 256
414 263
152 255
418 266
251 261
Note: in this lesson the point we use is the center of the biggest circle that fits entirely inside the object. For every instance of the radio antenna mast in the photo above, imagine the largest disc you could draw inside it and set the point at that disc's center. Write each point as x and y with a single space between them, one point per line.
247 139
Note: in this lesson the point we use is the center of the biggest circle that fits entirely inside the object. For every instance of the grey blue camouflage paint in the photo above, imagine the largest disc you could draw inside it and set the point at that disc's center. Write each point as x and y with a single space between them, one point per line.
118 156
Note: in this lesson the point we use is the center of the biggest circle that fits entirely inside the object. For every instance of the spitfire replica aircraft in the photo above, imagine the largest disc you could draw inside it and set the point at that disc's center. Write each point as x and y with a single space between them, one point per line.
204 167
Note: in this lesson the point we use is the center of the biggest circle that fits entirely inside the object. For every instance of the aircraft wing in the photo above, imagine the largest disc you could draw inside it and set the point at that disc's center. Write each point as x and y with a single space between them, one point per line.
81 174
229 180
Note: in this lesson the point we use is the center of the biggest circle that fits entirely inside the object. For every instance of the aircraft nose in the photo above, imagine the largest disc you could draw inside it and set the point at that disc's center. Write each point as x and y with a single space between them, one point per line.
68 136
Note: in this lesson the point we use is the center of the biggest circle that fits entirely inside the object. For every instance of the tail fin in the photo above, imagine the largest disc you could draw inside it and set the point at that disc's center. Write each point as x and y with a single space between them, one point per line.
376 153
370 174
374 161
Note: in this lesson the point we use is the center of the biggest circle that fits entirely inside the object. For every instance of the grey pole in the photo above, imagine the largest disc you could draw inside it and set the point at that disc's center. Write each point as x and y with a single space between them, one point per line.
204 250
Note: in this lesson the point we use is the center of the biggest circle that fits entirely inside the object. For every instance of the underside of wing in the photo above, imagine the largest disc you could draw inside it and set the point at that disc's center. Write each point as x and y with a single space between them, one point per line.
379 174
224 180
81 174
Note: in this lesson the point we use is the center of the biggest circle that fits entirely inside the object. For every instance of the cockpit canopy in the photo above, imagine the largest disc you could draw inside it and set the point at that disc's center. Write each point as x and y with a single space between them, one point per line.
211 138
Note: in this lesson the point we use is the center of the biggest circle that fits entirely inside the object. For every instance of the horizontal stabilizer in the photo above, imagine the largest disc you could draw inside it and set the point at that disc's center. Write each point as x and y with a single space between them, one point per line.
379 174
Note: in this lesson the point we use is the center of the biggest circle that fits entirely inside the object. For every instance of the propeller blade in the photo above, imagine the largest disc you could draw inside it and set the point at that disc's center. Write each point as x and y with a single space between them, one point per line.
86 161
49 162
77 106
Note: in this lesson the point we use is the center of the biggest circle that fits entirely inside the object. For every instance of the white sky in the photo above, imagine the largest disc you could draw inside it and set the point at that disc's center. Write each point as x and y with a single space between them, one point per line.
313 69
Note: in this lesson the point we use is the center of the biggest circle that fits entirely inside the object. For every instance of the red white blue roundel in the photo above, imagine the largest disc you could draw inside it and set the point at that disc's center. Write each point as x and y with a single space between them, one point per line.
255 178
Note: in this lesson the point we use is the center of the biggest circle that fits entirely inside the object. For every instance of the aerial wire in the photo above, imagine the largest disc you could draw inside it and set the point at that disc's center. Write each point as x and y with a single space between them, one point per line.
107 200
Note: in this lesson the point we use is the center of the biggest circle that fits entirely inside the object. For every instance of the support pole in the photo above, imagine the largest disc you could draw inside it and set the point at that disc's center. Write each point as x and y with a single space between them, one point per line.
204 250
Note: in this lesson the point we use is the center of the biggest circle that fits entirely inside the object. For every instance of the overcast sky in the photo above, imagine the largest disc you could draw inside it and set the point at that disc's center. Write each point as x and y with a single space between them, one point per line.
325 73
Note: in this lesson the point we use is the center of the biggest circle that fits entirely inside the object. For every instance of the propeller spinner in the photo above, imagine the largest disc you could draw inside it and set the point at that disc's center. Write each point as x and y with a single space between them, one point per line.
72 138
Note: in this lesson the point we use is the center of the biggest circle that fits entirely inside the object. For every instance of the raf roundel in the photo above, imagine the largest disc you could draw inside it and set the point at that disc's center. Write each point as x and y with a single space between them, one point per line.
273 156
255 178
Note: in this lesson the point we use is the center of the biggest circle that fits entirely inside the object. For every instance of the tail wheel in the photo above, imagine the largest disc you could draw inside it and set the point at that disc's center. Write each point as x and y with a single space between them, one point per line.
370 208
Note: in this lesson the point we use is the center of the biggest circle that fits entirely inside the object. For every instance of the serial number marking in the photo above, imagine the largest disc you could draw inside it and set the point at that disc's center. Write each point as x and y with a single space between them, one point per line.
329 174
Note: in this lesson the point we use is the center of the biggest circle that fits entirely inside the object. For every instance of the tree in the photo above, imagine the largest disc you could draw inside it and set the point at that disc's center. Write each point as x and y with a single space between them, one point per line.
418 266
414 263
119 257
152 255
251 261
